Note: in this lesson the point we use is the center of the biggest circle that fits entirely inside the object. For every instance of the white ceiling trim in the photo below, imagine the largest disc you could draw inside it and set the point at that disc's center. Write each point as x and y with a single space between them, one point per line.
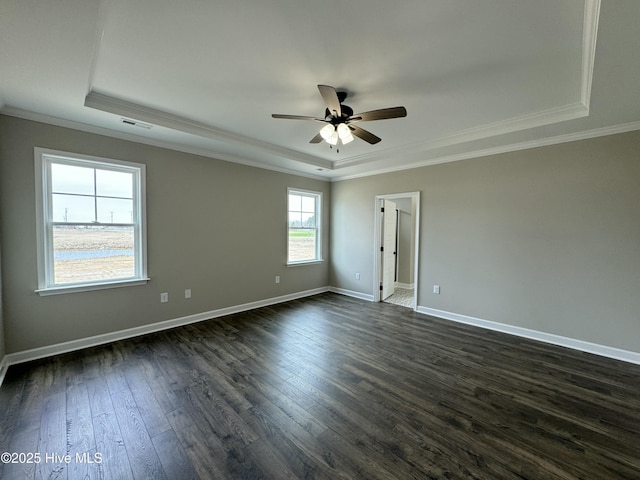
97 42
510 125
124 108
589 37
514 147
203 152
570 137
558 114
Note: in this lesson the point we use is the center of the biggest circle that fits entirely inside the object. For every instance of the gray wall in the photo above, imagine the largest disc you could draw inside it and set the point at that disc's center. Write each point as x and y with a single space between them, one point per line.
216 227
546 239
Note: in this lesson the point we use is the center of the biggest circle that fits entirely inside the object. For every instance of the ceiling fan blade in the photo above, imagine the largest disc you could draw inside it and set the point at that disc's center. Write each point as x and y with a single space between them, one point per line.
331 99
296 117
364 134
381 114
317 139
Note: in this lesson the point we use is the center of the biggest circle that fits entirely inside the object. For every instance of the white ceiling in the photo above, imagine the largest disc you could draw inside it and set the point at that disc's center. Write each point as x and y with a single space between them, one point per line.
476 76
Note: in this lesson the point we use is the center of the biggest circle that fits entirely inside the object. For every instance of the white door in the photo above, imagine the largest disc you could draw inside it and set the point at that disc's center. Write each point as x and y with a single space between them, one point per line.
388 249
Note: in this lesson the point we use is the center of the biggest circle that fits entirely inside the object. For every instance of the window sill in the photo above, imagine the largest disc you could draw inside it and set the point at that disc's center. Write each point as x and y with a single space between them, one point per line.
306 262
89 287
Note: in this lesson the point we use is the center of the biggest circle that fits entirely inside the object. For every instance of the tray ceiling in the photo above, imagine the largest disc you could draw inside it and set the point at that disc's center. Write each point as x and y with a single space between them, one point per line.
476 77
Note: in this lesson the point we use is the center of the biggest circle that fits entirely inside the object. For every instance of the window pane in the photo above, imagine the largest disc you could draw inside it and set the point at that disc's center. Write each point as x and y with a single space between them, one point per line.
308 220
295 219
114 184
85 254
73 208
295 202
302 245
70 179
304 236
308 204
115 210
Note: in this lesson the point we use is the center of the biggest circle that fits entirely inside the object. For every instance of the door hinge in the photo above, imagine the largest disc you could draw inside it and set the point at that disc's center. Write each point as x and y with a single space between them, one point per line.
382 249
380 287
382 210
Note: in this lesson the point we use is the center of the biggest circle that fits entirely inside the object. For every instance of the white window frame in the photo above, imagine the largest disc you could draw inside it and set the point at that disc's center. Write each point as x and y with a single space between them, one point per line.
44 228
318 202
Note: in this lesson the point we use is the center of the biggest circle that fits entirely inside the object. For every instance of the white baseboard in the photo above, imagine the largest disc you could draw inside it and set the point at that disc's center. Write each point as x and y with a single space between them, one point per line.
408 286
351 293
65 347
602 350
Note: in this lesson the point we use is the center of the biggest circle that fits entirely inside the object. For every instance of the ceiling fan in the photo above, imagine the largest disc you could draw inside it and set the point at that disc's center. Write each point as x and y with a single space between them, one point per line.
340 119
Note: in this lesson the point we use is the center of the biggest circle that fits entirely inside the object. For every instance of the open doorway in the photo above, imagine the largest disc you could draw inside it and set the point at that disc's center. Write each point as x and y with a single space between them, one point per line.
396 248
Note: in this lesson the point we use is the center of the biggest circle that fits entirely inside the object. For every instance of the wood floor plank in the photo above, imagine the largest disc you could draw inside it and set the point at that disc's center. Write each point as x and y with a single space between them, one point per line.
175 463
150 410
33 397
22 442
11 395
81 443
111 446
327 387
207 453
141 453
54 421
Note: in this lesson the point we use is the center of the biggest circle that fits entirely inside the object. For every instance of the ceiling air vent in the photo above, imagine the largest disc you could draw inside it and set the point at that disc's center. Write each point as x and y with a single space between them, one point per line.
135 123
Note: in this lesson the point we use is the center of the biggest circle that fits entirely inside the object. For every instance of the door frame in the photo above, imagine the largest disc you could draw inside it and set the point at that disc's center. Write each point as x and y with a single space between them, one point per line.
377 243
389 253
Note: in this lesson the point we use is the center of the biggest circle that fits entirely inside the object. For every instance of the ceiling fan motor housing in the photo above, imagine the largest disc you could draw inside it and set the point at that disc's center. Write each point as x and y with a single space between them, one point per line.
347 111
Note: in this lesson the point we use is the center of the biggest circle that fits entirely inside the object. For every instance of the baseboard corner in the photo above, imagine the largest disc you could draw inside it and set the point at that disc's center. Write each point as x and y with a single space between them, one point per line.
351 293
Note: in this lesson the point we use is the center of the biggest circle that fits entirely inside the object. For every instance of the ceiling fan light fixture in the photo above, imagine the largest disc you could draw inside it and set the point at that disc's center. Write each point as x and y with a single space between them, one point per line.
348 139
343 131
333 139
327 131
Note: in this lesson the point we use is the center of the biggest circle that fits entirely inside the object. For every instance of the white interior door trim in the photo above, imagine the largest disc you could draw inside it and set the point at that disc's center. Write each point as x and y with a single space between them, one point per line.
377 233
389 243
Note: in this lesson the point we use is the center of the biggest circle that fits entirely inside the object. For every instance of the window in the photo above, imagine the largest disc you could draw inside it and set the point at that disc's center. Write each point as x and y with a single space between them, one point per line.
304 227
91 222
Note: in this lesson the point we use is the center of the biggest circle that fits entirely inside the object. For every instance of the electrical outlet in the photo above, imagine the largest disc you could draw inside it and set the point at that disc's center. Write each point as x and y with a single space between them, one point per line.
187 293
436 289
164 297
357 276
277 278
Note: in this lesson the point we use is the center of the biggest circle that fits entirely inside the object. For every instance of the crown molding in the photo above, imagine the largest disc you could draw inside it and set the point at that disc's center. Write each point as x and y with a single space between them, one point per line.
510 125
589 37
132 110
514 147
203 152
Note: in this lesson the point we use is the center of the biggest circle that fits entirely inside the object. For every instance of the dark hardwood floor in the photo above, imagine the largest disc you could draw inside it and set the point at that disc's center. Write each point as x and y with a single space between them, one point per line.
326 387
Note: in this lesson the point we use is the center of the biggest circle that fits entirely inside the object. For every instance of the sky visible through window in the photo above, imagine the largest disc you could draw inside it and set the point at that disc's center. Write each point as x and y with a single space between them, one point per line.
302 211
88 195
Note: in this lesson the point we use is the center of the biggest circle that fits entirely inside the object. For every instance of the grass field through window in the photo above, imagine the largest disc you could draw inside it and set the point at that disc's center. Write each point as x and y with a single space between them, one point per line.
302 245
